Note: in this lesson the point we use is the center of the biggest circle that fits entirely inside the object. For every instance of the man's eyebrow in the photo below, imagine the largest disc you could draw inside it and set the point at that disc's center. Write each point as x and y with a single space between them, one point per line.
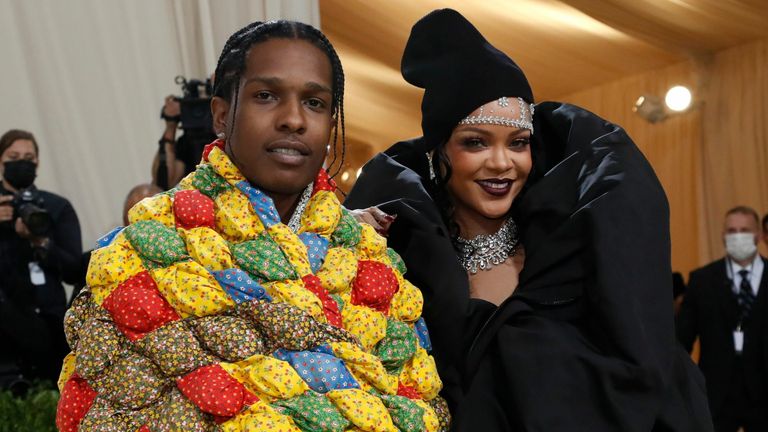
274 81
318 87
263 79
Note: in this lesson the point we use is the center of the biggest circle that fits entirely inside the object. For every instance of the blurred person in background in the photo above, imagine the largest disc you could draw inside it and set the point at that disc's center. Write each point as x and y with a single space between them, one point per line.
191 112
40 248
726 307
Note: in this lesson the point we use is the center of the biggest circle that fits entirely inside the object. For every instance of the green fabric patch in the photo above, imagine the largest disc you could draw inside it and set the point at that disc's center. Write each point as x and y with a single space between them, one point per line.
397 262
156 242
405 413
263 258
347 232
313 412
398 345
208 182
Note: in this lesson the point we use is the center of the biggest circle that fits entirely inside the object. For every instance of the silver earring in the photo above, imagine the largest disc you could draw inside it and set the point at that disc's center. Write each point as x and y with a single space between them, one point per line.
221 135
431 168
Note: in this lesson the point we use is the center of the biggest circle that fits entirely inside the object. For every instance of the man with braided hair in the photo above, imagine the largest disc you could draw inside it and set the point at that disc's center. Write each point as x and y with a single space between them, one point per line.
247 298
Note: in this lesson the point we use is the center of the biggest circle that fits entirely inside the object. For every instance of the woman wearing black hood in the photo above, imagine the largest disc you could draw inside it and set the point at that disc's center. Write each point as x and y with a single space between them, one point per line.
581 338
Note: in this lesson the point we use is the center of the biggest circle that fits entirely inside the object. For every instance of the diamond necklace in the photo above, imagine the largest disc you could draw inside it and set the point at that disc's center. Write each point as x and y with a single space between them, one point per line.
487 250
294 223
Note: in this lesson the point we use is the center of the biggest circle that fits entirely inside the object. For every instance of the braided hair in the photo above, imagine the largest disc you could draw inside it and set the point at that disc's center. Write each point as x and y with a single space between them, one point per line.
232 65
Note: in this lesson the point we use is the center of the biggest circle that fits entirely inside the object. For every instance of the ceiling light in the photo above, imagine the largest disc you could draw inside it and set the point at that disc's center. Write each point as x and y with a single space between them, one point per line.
650 108
678 98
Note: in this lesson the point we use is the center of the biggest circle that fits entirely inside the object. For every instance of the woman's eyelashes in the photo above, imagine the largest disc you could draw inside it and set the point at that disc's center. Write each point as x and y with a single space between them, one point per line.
473 142
520 143
480 143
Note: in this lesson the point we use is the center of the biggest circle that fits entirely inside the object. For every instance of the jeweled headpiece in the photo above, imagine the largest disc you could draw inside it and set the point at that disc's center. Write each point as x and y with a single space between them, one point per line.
498 112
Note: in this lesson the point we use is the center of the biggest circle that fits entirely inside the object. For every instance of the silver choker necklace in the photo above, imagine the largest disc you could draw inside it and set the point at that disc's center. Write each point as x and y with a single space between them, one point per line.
294 223
487 250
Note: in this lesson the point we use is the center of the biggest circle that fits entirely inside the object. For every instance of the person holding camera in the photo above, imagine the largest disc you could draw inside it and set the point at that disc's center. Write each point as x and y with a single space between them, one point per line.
177 158
40 246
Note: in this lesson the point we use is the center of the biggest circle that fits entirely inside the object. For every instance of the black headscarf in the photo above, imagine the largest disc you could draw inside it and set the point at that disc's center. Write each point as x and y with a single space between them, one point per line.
458 70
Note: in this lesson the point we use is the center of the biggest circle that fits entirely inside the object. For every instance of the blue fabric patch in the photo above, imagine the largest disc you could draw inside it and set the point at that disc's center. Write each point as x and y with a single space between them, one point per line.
109 237
239 286
317 249
321 370
261 203
423 334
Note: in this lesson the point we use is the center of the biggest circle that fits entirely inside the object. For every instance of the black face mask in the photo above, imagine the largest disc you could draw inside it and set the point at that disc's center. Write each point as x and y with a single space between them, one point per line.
20 173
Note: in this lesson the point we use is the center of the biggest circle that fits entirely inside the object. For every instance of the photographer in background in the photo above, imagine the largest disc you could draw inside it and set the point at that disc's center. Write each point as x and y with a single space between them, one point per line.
40 247
177 158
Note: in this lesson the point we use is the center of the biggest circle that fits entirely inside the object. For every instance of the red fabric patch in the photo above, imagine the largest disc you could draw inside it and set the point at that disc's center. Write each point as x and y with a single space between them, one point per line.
75 401
137 307
144 428
215 392
407 391
323 182
192 209
208 148
374 286
330 307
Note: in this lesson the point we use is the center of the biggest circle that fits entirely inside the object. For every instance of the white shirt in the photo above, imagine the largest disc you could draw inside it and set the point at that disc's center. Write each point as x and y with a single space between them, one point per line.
755 269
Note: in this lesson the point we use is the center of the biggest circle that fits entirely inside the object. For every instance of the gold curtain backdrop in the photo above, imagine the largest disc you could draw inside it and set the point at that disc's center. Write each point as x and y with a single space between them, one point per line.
602 56
735 137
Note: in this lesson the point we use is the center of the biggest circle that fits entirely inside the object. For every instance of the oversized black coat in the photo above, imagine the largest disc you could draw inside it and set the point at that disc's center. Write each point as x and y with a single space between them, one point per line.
586 342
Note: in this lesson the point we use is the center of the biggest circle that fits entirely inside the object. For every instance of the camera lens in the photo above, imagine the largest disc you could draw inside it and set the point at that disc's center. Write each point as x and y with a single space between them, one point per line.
37 220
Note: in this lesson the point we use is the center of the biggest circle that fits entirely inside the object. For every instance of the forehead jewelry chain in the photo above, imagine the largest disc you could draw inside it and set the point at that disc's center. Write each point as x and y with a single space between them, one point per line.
487 250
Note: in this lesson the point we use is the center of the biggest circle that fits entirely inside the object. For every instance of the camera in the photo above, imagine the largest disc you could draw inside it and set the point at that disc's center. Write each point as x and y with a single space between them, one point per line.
28 204
195 110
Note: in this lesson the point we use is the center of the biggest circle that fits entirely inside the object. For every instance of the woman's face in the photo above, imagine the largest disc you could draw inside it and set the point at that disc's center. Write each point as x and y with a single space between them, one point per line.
490 164
21 149
284 116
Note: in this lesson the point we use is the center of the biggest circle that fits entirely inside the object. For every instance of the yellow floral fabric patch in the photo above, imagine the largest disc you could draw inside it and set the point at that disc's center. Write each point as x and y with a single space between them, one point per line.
267 377
157 208
420 373
112 265
208 248
191 290
364 410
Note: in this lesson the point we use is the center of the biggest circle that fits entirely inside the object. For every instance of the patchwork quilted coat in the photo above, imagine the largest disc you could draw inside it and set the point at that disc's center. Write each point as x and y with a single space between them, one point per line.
207 313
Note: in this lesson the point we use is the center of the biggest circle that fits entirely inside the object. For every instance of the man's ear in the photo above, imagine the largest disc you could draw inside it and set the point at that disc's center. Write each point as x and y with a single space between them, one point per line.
220 113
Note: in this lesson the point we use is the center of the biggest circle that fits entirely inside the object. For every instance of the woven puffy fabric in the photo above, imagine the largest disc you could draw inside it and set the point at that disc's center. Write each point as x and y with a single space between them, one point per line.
208 313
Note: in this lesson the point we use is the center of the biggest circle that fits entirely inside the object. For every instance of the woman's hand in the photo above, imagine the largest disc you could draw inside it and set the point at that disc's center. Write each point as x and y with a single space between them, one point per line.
376 218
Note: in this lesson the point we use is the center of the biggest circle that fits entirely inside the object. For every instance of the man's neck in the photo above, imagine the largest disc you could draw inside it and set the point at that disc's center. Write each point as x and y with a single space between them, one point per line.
745 262
285 205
